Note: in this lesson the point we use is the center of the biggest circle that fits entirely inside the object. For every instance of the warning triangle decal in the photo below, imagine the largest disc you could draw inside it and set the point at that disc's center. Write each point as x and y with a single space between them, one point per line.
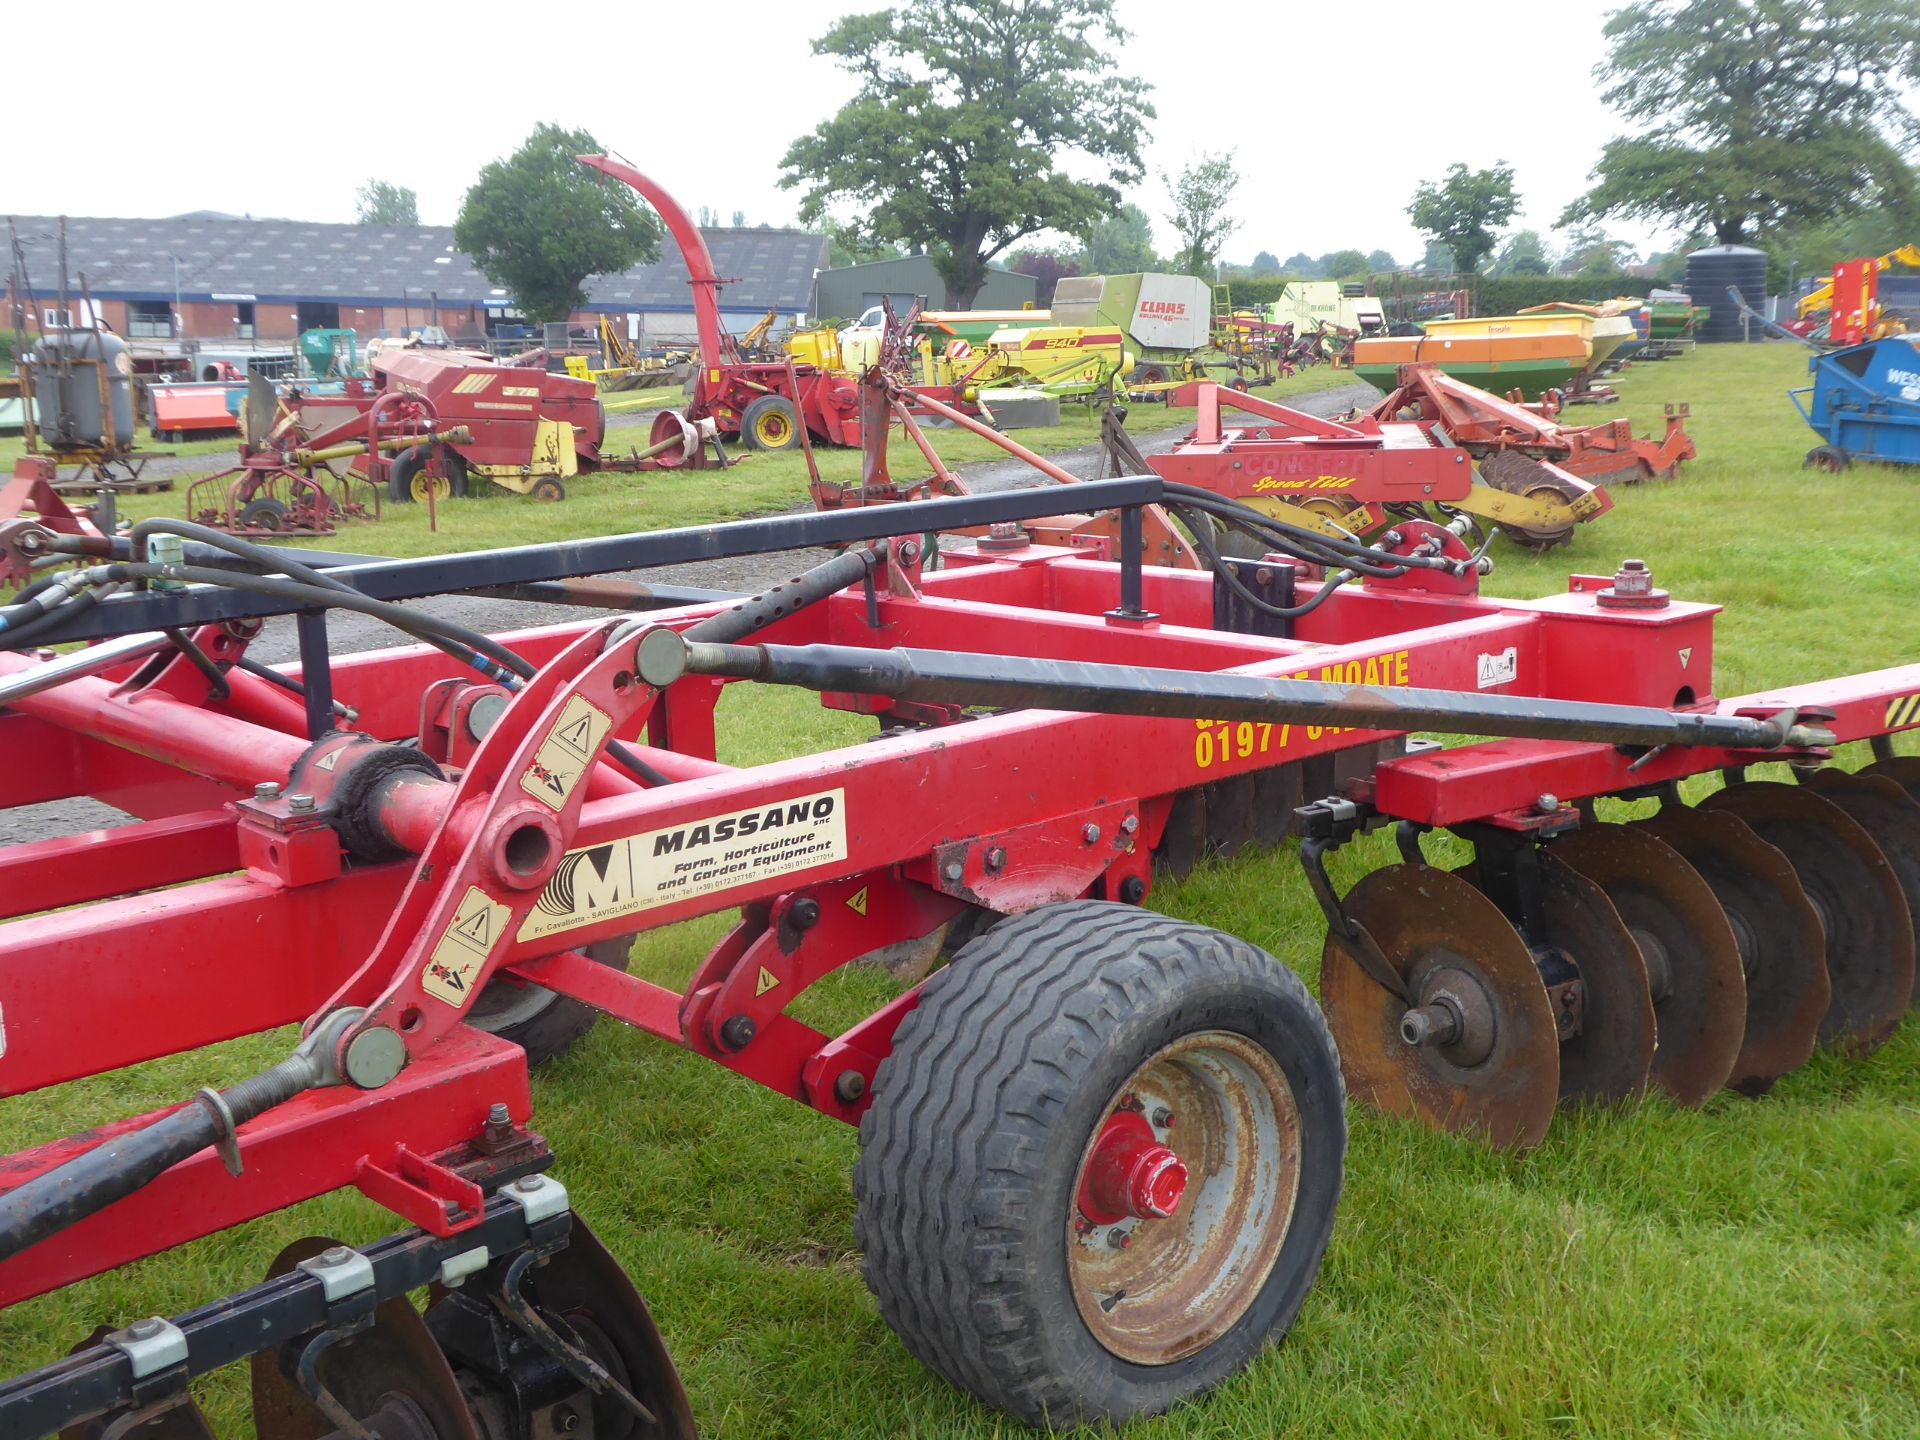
767 981
857 902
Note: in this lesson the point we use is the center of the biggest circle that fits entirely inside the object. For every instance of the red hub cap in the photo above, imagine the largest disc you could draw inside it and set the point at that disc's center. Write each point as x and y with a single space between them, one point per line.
1130 1174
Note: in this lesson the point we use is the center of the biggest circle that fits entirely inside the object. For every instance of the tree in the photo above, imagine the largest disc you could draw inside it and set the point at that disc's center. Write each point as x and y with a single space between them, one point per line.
1436 259
1120 244
1049 267
1303 266
1380 262
1343 264
1265 263
1464 210
1591 251
538 223
846 247
1524 253
1753 115
381 203
1201 193
965 112
739 219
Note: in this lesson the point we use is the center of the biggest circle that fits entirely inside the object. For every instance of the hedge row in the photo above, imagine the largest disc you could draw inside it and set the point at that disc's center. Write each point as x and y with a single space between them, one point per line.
1491 296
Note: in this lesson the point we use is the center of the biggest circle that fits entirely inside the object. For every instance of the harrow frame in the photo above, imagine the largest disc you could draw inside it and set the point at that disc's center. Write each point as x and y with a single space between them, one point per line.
282 833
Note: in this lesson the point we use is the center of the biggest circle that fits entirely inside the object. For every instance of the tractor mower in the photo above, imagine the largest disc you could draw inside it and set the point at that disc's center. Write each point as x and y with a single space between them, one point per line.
1101 1150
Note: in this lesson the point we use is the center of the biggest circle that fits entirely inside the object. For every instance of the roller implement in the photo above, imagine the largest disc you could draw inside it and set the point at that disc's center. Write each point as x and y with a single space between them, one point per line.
444 851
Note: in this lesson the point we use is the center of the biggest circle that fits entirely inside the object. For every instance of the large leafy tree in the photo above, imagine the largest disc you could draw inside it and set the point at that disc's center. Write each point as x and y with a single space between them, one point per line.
379 202
1121 244
1202 193
970 119
538 223
1464 209
1752 115
1381 261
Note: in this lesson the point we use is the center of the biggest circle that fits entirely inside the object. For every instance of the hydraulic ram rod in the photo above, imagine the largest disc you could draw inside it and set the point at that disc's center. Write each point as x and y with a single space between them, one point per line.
1016 682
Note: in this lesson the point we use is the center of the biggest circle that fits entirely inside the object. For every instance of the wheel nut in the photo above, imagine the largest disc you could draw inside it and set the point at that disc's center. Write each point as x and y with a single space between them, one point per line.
1133 890
300 804
1119 1239
1091 834
267 790
1163 1119
850 1086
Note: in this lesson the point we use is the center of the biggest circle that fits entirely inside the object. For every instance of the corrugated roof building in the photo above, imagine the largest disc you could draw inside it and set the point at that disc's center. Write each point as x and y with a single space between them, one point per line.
233 277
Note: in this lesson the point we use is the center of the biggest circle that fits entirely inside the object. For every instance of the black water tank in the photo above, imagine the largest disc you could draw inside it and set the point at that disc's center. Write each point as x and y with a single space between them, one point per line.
1710 272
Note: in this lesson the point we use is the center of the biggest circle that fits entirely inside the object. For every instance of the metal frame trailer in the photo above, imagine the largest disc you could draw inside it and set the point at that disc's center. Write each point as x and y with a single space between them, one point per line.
446 857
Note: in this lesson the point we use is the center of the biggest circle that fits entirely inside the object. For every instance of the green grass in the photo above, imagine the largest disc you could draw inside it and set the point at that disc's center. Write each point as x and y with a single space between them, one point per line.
1751 1269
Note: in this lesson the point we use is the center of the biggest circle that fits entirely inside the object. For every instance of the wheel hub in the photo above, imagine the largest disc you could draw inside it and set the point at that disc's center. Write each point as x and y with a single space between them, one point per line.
1130 1174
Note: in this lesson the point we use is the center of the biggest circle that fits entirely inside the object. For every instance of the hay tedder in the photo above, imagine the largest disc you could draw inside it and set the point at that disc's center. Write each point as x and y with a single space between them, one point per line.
1101 1149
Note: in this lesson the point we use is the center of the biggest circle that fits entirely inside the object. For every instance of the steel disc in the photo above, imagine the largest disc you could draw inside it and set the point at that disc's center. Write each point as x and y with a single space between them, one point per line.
1903 770
1862 910
1782 948
1611 1056
1693 961
391 1376
1892 817
583 1289
1447 941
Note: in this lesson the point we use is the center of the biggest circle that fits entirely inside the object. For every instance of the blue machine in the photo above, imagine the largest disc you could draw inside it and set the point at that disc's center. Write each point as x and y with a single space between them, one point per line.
1865 403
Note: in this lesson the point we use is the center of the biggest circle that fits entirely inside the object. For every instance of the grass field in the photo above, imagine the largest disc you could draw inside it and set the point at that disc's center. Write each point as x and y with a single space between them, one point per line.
1751 1269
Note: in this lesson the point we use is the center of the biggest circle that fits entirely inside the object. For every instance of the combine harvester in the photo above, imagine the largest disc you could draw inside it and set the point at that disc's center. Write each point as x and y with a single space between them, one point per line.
435 859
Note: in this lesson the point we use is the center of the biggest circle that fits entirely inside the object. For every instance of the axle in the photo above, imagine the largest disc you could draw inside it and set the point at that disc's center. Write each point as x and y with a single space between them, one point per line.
1020 682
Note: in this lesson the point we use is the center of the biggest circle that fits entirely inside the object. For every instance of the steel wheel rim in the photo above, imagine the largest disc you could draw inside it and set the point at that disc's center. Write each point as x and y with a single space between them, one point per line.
1181 1283
423 485
772 430
502 1005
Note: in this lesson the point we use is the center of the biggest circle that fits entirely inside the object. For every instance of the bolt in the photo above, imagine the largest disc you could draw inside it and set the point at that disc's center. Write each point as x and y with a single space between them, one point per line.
335 1255
1548 804
1133 890
300 804
1118 1238
996 860
909 551
804 913
738 1032
1130 824
1091 834
565 1419
1263 576
530 1184
1128 1102
1081 1225
267 790
850 1086
144 1329
953 870
1163 1119
1633 578
497 1133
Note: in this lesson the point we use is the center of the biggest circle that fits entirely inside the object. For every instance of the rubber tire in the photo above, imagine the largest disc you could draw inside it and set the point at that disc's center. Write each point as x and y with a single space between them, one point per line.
409 462
1826 459
557 1028
968 1154
266 506
548 489
750 423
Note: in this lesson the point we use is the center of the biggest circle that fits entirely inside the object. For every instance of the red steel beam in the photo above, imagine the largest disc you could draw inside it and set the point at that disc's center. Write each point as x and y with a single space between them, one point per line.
315 1143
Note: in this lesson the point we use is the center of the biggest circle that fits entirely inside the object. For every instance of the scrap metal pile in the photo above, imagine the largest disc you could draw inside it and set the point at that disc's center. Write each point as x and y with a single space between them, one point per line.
443 852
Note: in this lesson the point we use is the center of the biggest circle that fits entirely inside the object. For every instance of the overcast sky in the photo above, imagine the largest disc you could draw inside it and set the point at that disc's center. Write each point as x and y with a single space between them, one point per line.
1336 112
